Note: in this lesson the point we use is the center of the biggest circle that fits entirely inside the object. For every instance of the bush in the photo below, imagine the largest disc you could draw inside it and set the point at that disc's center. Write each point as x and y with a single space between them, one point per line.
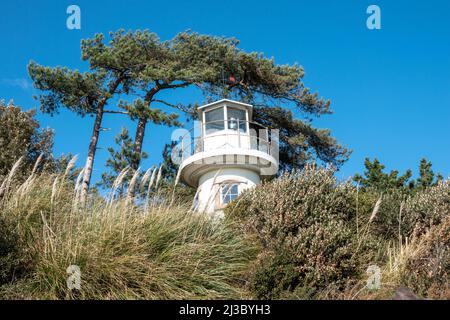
427 208
427 272
274 275
306 224
401 215
21 136
385 223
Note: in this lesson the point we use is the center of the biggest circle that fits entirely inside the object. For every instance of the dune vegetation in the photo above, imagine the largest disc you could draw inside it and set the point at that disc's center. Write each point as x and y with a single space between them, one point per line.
323 239
301 236
125 247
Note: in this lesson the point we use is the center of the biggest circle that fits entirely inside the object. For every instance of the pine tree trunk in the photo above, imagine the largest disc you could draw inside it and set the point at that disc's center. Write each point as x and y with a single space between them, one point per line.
140 130
94 140
138 141
91 154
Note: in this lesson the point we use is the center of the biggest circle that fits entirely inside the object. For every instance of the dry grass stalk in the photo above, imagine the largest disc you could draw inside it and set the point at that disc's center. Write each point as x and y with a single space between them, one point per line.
376 208
357 210
7 182
152 179
70 166
117 183
37 163
195 203
177 179
131 185
54 190
77 189
213 195
24 187
149 189
144 179
158 178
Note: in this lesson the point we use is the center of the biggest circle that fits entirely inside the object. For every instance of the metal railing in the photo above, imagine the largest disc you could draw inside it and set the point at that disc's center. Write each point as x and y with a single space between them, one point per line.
234 133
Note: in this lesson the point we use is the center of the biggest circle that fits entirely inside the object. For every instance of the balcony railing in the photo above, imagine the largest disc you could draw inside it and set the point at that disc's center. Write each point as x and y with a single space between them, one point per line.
233 134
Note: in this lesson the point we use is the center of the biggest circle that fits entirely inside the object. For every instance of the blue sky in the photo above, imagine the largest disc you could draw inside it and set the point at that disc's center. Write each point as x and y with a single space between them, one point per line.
389 88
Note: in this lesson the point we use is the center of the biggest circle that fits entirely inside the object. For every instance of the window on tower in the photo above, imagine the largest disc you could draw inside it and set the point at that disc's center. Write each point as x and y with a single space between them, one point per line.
214 120
229 192
236 119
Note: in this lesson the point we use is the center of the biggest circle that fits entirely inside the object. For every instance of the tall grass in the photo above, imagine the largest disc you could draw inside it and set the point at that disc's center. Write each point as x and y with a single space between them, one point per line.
124 249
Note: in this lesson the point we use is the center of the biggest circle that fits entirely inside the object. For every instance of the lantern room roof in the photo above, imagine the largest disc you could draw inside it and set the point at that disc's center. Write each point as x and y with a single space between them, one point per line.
228 102
225 101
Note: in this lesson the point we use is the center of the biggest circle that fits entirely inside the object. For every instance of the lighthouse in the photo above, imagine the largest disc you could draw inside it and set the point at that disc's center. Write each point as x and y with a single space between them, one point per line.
226 153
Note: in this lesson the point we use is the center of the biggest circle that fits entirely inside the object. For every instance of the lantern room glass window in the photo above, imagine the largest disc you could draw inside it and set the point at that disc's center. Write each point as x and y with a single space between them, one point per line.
229 192
214 120
237 119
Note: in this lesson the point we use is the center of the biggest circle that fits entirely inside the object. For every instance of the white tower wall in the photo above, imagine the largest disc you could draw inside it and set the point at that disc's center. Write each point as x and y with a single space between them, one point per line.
209 192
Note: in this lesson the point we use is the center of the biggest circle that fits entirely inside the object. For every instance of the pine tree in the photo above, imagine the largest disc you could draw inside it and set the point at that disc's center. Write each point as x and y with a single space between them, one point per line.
83 93
218 68
149 62
169 168
112 71
426 175
121 158
137 111
376 179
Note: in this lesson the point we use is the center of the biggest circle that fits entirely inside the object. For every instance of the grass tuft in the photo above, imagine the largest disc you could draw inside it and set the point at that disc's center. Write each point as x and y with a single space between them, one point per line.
124 250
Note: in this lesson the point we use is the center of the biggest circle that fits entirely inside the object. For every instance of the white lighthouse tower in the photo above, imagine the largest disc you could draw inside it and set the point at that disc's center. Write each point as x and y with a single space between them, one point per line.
226 153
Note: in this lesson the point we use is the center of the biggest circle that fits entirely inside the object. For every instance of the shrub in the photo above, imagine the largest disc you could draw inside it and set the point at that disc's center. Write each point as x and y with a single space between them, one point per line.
21 136
414 241
427 208
274 275
427 272
306 221
400 215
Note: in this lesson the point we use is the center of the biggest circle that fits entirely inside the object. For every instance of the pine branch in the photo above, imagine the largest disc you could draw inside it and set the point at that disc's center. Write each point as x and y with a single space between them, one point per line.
116 112
179 106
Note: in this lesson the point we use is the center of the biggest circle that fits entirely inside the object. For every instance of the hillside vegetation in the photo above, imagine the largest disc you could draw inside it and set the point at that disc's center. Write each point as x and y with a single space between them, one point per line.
320 237
124 250
301 236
